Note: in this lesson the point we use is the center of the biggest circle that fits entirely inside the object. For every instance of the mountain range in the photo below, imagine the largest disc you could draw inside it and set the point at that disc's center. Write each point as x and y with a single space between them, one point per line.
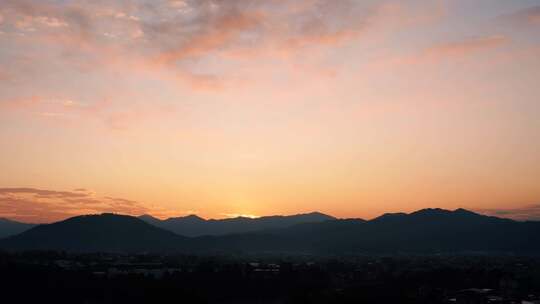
193 225
423 231
9 227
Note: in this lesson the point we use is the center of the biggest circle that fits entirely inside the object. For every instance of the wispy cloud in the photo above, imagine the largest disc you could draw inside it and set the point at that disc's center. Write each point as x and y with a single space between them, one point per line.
165 41
38 205
168 35
465 47
108 112
530 212
451 51
41 193
526 17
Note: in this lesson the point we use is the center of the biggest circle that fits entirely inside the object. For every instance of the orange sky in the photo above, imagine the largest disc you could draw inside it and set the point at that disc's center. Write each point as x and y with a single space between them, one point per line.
352 108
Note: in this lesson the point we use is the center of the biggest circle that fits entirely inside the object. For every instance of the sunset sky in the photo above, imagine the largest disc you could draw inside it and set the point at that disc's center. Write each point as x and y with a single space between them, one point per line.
225 107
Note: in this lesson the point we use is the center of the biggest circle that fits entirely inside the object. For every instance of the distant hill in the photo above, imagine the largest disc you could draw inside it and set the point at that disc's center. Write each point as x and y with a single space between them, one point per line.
427 231
423 231
193 225
9 227
104 232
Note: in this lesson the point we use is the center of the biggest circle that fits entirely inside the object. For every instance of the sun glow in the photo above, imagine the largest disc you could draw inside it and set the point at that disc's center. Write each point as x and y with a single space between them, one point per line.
235 215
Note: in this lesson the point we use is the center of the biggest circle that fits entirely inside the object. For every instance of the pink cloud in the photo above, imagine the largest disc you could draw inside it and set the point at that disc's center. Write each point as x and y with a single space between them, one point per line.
530 212
20 103
448 51
110 113
465 47
217 34
526 17
152 37
38 205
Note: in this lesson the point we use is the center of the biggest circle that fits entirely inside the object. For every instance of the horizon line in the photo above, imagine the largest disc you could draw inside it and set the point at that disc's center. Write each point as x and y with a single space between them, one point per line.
242 216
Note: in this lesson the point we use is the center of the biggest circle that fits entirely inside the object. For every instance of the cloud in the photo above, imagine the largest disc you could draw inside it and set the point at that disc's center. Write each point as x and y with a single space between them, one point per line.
465 47
530 212
50 22
73 18
165 41
41 193
164 35
445 51
113 115
215 34
38 205
201 45
22 103
213 26
526 17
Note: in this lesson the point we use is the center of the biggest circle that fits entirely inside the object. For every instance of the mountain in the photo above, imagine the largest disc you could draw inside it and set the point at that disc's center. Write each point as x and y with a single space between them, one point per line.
150 219
423 231
427 231
9 227
193 225
104 232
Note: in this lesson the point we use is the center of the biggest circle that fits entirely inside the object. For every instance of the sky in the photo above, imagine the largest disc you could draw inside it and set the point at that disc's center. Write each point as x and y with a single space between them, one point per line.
256 107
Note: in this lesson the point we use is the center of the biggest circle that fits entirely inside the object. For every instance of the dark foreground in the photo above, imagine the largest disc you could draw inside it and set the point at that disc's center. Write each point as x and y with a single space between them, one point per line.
51 277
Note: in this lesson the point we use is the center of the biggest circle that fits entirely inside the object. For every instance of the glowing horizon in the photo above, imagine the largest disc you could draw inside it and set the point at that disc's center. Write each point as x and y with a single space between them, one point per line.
262 107
79 202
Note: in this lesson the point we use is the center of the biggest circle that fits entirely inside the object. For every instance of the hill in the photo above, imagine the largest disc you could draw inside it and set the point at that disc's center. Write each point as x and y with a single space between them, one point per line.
427 231
9 227
104 232
193 225
423 231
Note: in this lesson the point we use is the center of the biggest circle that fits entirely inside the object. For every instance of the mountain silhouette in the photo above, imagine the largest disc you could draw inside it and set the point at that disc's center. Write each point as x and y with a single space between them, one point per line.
426 231
10 227
104 232
423 231
193 225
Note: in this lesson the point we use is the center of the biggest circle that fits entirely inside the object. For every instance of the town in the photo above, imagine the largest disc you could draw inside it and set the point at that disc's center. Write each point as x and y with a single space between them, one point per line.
144 278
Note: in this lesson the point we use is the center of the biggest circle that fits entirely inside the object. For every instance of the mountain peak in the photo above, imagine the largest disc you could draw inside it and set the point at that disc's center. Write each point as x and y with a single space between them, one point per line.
316 215
193 225
148 217
10 227
465 212
102 217
320 214
390 215
96 232
439 211
6 220
428 213
194 217
431 211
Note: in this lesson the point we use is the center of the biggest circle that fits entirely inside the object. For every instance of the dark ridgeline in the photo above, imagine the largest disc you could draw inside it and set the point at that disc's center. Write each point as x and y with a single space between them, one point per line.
105 232
10 227
425 231
193 225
